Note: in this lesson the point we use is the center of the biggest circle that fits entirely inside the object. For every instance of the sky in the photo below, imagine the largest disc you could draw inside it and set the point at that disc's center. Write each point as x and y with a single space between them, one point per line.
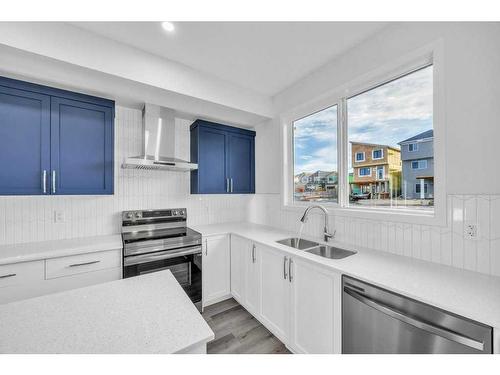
385 115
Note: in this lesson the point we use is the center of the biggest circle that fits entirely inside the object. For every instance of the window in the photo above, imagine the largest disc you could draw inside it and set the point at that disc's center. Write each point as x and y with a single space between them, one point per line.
377 154
387 116
419 164
380 172
365 172
418 189
360 156
377 129
315 157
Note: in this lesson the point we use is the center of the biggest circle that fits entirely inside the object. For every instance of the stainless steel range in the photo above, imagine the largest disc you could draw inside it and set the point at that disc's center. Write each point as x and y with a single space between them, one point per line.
155 240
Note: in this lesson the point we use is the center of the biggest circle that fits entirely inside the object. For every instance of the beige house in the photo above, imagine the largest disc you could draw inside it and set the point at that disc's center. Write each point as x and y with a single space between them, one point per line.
376 169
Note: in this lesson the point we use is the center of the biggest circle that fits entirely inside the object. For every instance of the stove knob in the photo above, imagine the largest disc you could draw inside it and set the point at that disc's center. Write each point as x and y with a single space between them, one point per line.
138 215
175 212
129 215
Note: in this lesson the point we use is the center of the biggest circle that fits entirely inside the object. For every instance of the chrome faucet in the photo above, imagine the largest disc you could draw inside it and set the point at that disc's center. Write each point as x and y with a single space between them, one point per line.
327 235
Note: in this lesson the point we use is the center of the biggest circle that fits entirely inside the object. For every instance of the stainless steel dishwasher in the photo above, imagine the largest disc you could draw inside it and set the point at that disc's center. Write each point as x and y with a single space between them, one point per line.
375 320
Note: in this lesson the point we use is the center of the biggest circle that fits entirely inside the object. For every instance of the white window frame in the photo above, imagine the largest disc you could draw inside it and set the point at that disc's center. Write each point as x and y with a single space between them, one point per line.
419 163
376 172
364 175
356 157
426 187
381 153
415 147
427 55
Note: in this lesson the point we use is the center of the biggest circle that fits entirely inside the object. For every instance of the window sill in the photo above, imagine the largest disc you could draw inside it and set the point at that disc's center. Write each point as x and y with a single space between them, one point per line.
431 218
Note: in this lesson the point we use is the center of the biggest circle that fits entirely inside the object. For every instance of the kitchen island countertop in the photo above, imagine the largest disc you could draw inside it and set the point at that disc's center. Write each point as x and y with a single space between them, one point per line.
144 314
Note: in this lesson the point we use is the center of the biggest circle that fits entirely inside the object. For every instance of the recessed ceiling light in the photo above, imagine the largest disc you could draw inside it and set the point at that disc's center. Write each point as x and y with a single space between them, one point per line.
168 26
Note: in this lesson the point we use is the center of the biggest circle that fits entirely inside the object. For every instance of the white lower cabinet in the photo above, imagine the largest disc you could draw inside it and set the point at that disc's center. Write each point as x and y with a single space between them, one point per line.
36 278
216 269
275 298
239 248
314 302
298 301
252 261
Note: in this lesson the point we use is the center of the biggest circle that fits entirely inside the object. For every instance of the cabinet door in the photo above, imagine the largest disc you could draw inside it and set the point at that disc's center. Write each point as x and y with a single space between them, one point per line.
275 291
241 168
212 161
24 141
81 147
239 247
252 280
216 269
312 309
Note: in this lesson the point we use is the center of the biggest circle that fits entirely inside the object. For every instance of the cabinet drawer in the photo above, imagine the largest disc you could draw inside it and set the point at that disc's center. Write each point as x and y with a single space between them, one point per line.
21 273
75 264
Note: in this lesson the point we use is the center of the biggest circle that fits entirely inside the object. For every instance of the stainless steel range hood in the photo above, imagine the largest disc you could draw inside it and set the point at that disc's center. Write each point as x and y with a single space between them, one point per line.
159 142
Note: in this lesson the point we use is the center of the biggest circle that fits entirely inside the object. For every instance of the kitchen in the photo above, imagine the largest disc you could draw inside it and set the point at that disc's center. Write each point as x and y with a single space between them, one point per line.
151 202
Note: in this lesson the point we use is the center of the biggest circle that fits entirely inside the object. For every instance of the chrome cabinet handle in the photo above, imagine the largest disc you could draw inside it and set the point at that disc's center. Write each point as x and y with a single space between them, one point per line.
285 275
84 264
227 185
253 254
231 184
431 328
290 270
53 181
206 248
8 275
44 181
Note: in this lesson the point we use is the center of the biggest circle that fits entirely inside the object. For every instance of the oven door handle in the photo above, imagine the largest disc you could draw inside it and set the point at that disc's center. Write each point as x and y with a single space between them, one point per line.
139 259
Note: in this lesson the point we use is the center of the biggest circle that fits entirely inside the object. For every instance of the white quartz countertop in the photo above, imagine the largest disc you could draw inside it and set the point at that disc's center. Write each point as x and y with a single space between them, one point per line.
144 314
469 294
25 252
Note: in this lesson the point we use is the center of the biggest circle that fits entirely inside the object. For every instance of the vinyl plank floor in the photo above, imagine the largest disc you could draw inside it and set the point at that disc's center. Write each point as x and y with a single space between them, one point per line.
237 331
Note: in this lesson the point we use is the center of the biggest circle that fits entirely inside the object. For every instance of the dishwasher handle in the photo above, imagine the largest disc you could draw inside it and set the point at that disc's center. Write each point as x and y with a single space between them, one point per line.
428 327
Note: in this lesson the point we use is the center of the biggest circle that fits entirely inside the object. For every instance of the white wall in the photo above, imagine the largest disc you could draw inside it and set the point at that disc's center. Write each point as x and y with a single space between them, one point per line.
27 219
472 93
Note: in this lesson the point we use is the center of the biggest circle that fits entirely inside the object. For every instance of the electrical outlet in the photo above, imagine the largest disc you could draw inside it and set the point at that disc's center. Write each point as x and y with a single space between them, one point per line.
470 231
59 217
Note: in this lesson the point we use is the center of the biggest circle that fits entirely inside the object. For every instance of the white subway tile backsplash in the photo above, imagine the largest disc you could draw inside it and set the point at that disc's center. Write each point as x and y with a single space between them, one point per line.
445 245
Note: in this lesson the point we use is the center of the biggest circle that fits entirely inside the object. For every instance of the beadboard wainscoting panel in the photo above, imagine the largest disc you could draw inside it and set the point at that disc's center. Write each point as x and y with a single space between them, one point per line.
446 245
32 218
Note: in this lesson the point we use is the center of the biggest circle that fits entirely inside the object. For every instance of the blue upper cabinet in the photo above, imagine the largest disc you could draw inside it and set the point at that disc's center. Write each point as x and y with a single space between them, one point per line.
54 141
24 142
82 148
225 157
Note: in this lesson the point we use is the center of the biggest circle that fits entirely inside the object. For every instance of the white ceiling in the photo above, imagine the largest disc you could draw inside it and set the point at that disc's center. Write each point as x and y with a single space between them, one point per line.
265 57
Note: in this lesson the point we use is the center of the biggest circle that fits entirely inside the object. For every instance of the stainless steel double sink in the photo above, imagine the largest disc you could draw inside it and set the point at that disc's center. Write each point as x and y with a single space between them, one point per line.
325 251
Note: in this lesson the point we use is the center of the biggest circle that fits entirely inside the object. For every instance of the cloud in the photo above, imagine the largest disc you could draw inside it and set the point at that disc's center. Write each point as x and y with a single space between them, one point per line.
387 114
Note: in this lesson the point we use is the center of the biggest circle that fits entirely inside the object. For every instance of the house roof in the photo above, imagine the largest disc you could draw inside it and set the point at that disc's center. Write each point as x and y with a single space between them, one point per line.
423 135
375 145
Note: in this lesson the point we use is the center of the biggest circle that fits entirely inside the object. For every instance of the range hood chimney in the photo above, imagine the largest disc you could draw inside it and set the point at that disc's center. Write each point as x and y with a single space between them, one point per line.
158 143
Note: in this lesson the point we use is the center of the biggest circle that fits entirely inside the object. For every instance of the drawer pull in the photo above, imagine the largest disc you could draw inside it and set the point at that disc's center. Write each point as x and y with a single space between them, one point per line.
9 275
84 264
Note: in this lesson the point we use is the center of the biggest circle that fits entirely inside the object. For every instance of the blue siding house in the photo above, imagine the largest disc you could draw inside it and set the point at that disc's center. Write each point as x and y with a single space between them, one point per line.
417 156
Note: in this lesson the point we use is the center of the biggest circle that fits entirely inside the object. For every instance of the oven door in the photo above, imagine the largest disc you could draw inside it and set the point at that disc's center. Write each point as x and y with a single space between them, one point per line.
184 263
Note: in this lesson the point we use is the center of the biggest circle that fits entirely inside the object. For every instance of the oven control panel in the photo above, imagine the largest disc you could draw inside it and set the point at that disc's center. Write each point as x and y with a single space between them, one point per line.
176 213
